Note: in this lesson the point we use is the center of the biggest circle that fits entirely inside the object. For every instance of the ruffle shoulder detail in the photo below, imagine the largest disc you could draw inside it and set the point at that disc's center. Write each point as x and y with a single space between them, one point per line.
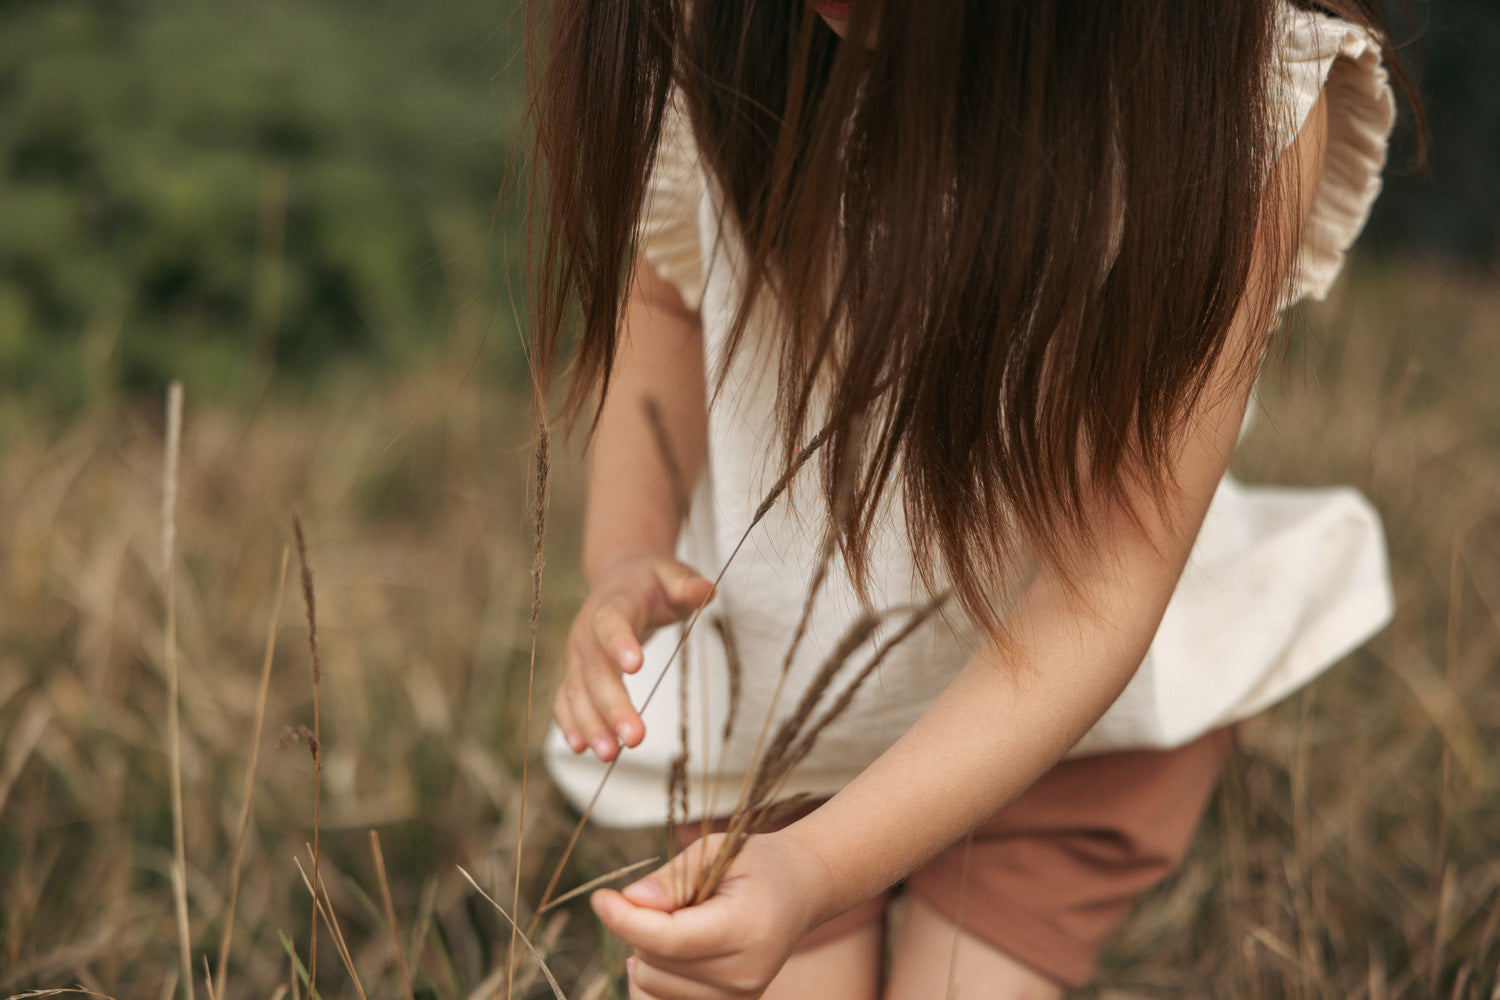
668 236
1322 55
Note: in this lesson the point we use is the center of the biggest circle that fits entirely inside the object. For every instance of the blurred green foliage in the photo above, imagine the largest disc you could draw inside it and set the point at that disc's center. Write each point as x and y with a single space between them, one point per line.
206 189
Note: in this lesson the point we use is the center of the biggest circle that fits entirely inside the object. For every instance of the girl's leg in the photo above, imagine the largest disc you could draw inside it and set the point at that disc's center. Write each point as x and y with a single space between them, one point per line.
1033 896
845 966
934 959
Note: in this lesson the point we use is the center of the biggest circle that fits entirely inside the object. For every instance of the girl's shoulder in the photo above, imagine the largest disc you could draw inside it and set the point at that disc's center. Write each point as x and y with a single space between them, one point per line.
1318 55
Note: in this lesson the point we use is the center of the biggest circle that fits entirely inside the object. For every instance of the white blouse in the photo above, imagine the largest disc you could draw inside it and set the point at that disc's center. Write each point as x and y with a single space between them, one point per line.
1281 583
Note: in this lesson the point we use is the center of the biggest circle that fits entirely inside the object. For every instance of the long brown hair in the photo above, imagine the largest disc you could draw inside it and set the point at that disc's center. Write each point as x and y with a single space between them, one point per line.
1034 218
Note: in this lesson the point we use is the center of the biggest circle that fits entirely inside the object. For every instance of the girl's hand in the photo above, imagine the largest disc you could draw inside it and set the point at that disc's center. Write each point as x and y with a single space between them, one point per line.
728 948
630 599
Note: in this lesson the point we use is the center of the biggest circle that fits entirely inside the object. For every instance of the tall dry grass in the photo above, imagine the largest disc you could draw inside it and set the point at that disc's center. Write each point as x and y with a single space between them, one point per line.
1354 849
413 512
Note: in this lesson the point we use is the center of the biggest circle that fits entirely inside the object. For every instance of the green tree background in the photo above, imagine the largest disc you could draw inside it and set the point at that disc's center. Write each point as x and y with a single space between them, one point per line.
195 189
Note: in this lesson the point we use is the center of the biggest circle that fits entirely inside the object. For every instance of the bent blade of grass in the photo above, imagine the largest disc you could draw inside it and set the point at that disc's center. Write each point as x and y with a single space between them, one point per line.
525 939
331 920
595 883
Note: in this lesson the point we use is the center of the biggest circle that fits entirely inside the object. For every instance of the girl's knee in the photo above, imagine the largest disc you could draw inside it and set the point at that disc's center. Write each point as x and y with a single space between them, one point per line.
933 957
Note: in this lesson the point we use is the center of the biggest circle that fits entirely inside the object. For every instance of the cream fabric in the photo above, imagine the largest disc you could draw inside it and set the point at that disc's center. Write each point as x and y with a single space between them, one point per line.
1281 582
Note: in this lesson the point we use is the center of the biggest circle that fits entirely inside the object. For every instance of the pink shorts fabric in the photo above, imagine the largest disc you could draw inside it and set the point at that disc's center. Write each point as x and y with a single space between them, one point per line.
1049 878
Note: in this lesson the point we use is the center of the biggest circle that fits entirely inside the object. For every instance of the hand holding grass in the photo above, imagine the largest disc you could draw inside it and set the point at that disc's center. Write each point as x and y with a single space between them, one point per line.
730 946
631 598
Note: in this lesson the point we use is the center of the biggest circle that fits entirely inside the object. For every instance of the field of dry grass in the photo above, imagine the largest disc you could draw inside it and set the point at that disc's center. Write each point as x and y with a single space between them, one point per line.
1354 849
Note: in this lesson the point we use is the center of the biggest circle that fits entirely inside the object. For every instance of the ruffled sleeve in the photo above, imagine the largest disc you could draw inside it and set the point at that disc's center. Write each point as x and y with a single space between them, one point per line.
668 236
1319 54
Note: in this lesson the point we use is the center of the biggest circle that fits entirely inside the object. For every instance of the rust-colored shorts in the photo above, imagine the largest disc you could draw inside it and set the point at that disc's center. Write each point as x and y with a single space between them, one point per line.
1049 878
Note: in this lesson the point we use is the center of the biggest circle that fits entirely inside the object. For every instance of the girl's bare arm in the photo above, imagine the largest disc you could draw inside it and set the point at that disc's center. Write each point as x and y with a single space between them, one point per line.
631 507
634 512
999 725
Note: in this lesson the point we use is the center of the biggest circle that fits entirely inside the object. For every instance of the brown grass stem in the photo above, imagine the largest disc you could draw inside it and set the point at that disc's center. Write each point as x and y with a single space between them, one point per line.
846 696
777 489
330 919
407 981
790 749
595 883
742 806
677 772
736 669
765 772
588 809
525 939
237 862
541 480
174 692
1451 652
309 602
854 637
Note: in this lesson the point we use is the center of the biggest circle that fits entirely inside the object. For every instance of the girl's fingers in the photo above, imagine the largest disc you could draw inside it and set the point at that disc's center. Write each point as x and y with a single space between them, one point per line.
684 936
685 589
617 636
647 982
592 727
673 885
611 701
562 714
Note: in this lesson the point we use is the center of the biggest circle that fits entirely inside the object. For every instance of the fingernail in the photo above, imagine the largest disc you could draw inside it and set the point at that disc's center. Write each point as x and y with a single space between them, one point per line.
604 747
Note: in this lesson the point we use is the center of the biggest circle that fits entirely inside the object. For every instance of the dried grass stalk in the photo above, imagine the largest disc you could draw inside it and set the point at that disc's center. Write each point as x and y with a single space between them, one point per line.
846 696
335 931
595 883
314 739
227 937
734 665
174 708
541 491
407 982
770 767
526 940
796 737
776 491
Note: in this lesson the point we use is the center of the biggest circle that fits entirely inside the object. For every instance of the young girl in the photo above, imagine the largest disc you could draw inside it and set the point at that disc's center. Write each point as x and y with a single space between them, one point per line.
1006 271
